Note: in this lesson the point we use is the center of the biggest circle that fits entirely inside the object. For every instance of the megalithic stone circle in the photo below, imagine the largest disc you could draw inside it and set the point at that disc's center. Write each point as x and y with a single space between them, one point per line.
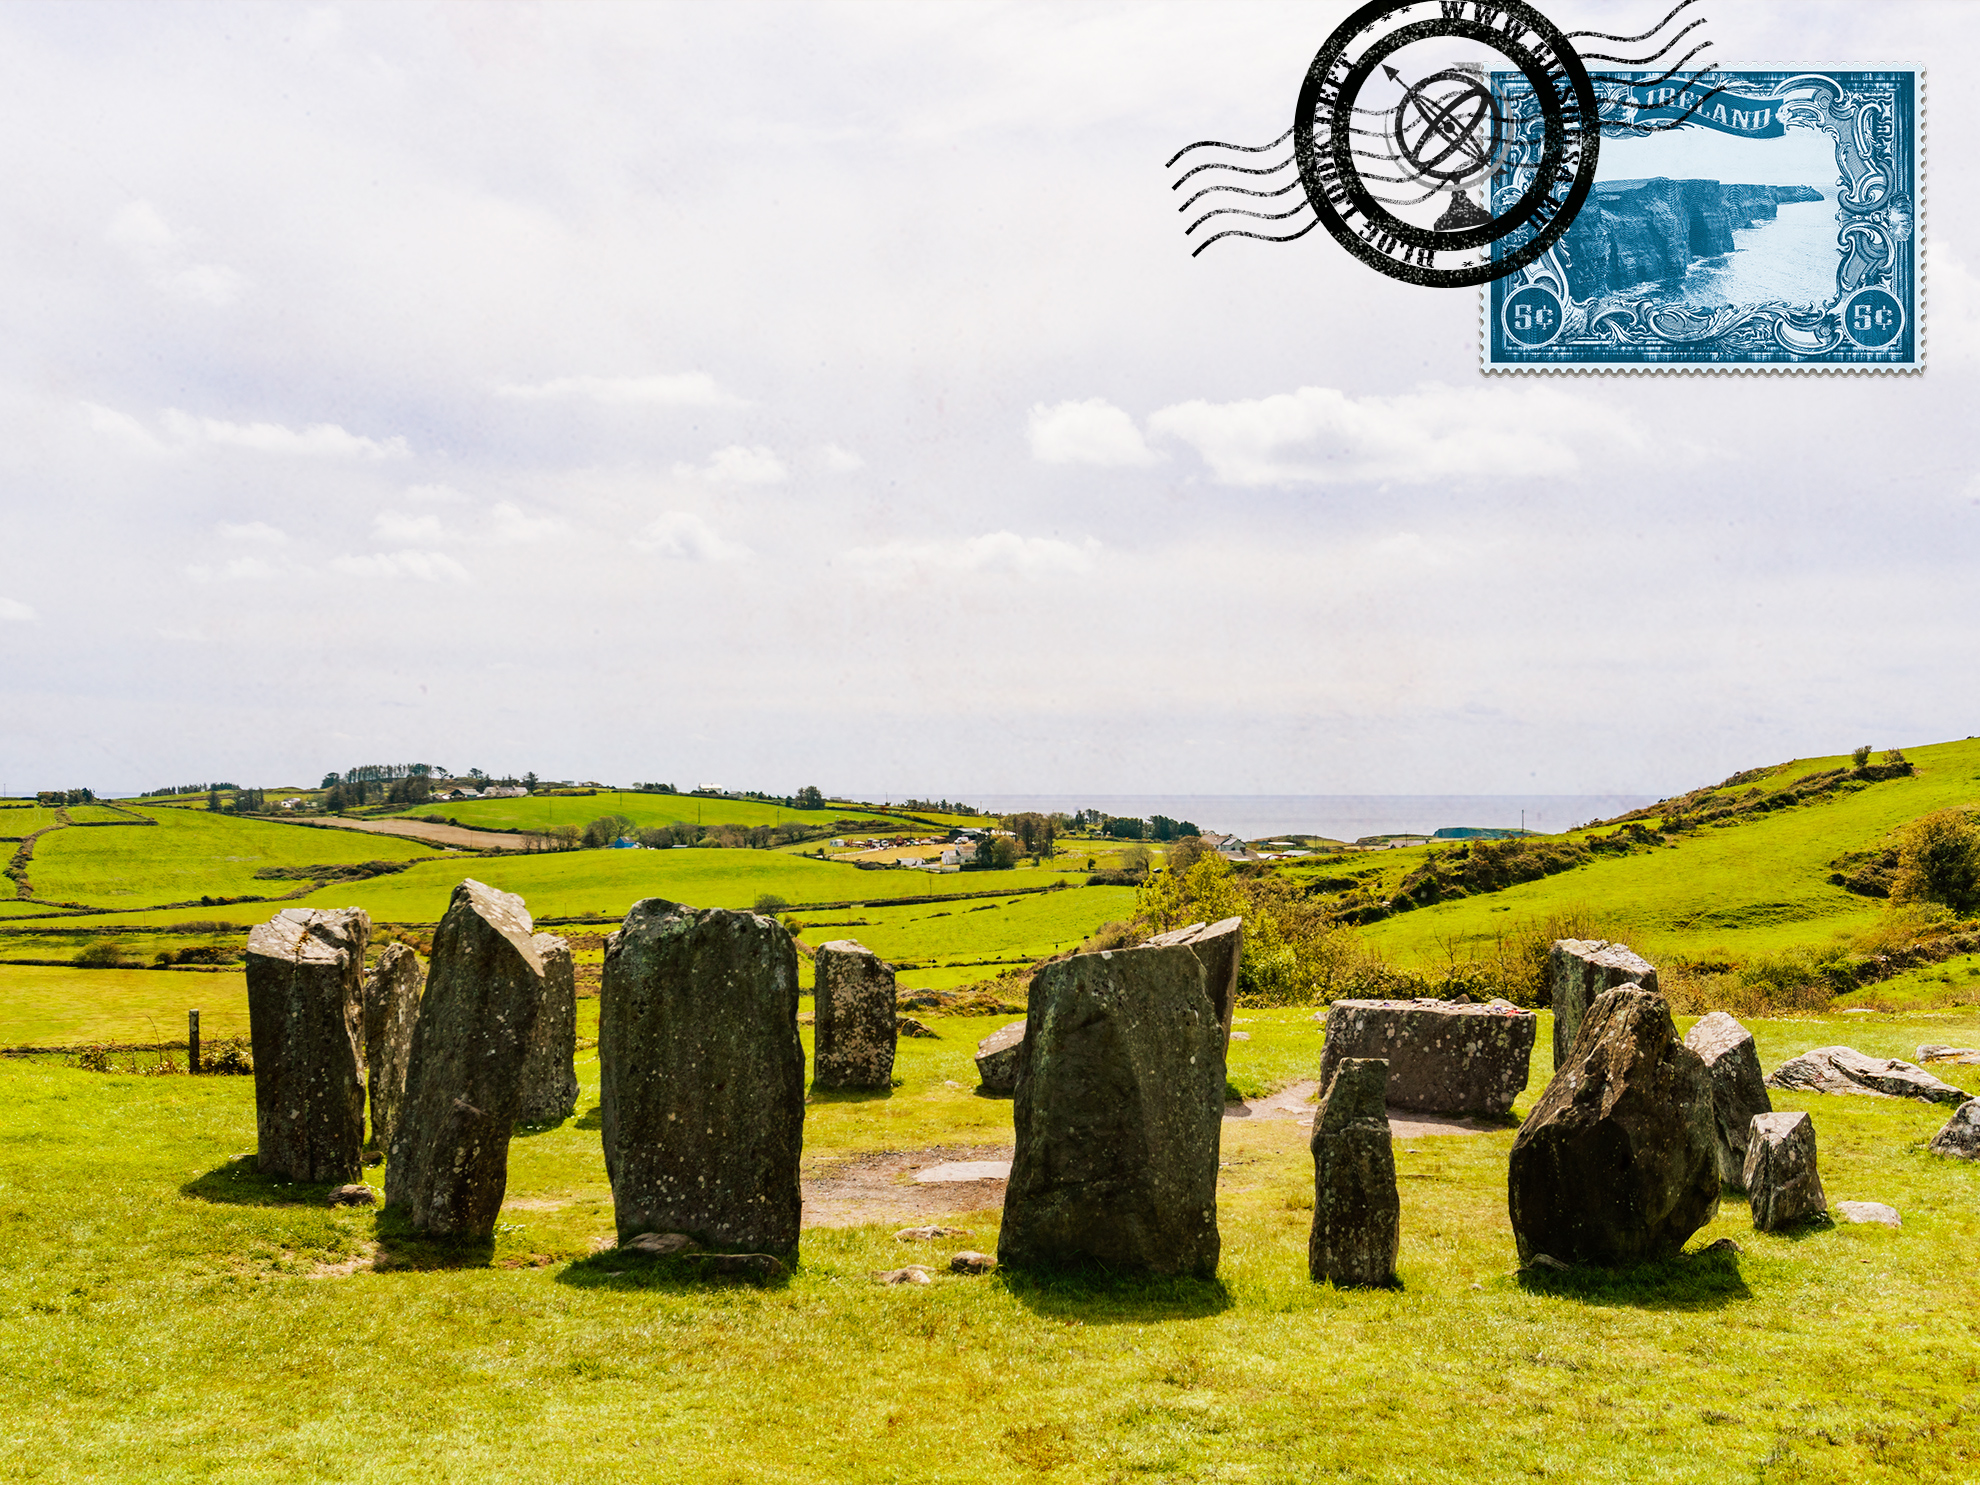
854 1030
1618 1162
1739 1089
1581 969
1357 1214
1781 1177
702 1077
306 1018
391 1006
1119 1112
449 1163
550 1085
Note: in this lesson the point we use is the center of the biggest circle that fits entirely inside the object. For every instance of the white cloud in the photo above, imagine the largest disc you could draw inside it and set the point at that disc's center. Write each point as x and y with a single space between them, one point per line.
398 529
254 531
113 424
147 239
687 389
239 569
508 523
684 535
437 494
1953 337
1089 432
1318 435
839 460
12 610
427 567
319 440
997 551
736 465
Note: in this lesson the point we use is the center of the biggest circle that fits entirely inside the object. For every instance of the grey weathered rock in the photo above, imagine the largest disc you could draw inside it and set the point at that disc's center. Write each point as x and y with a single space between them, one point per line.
853 1045
1738 1089
914 1273
702 1076
1579 969
969 1261
1846 1070
355 1195
1966 1056
1618 1162
1444 1057
449 1164
997 1058
1220 946
1356 1212
549 1079
1118 1113
1782 1183
305 970
1868 1211
391 1006
1961 1136
660 1244
929 1234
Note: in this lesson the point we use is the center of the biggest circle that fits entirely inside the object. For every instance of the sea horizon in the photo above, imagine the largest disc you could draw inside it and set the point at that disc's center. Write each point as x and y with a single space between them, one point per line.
1345 817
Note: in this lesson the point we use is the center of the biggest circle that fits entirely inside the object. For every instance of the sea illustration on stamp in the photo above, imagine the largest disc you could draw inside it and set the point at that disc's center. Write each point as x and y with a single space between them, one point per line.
1774 227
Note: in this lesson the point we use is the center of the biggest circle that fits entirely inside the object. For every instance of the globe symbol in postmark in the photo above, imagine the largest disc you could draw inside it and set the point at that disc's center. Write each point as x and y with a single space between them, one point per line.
1448 127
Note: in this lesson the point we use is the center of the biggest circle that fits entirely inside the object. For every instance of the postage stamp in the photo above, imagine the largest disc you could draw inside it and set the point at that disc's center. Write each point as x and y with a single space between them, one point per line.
1752 219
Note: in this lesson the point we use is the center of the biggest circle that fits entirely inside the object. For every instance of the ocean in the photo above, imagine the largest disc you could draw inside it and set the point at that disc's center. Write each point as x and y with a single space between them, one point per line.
1338 816
1790 260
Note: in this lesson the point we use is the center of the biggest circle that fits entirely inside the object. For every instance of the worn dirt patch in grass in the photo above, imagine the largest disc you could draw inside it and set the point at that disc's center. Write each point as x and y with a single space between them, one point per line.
880 1187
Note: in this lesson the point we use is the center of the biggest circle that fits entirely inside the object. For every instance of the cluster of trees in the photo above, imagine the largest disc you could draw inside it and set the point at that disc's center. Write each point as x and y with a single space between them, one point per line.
192 789
385 773
938 807
65 796
1127 827
1035 833
655 789
608 830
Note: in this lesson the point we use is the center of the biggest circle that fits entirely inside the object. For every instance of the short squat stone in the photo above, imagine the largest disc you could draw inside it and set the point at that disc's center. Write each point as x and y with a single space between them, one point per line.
391 1006
1961 1136
702 1076
1739 1091
1356 1211
997 1058
1782 1183
1579 970
854 1028
1846 1070
305 971
449 1164
549 1081
1444 1057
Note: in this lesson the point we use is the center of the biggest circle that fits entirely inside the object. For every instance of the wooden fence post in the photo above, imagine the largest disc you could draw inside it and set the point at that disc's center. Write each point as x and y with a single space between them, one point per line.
192 1041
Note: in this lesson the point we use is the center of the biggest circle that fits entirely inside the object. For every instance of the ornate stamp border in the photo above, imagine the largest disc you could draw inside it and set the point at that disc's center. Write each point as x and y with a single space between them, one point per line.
1874 321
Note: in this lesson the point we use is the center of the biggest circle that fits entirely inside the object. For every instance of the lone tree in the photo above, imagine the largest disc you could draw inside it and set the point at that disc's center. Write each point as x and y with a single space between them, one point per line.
1939 861
809 798
1860 756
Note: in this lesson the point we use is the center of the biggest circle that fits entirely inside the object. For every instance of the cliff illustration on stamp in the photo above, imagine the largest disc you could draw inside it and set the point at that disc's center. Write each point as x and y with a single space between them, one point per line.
1746 218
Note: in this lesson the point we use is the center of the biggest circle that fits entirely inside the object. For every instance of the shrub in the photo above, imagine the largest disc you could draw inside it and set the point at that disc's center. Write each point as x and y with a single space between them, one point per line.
606 829
100 955
228 1056
1860 756
770 902
1939 861
93 1059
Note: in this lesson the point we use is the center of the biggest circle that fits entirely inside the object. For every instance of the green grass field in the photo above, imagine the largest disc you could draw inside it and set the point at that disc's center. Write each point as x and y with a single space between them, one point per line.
170 1316
69 1007
1029 927
541 811
17 820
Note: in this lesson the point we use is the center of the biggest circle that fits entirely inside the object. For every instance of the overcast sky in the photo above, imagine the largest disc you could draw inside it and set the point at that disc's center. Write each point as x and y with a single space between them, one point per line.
765 396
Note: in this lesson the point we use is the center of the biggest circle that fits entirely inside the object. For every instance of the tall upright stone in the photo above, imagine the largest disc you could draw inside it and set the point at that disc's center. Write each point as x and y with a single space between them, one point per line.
702 1076
1119 1110
1781 1178
449 1164
549 1083
391 1006
1580 969
306 1018
1618 1161
854 1030
1220 946
1357 1214
1739 1089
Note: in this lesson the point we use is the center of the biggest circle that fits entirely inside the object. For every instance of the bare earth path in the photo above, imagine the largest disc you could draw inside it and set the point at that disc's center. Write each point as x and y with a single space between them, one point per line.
432 835
1295 1101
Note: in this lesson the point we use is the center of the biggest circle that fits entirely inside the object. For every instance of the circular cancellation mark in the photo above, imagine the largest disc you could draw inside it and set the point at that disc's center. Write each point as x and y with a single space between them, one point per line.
1558 182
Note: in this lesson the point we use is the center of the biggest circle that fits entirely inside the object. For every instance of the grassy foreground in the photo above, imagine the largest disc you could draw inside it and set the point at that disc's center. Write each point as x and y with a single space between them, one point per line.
164 1314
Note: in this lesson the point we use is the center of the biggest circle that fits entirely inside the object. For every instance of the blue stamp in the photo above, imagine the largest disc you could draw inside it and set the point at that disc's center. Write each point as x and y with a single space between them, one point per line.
1753 218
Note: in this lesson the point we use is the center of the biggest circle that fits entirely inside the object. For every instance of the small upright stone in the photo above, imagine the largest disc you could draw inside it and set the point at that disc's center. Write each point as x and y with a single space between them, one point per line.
449 1163
1356 1211
1618 1161
1118 1114
1581 969
854 1026
1220 946
305 970
997 1058
1782 1183
1961 1136
1739 1090
702 1076
391 1006
549 1084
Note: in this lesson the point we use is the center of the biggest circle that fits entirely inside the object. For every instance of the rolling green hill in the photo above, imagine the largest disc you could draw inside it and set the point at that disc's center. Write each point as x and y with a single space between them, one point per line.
541 811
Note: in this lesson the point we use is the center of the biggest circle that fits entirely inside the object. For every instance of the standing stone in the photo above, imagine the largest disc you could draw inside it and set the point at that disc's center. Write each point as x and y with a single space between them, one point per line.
1356 1212
1780 1177
449 1164
1618 1162
1739 1092
702 1076
1961 1136
854 1029
1445 1057
1221 948
997 1057
549 1083
391 1006
1119 1109
1581 969
306 1018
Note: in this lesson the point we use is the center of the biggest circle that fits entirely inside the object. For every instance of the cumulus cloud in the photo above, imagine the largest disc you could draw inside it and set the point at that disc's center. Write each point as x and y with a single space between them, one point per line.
1954 334
427 567
398 529
996 551
141 232
1089 432
685 536
687 389
239 570
319 440
13 611
838 460
736 465
507 522
1322 436
436 494
259 532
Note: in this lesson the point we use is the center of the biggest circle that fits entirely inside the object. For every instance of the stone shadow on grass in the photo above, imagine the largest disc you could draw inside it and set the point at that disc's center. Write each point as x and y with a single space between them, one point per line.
402 1249
846 1095
676 1273
591 1118
1708 1279
1097 1296
239 1183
